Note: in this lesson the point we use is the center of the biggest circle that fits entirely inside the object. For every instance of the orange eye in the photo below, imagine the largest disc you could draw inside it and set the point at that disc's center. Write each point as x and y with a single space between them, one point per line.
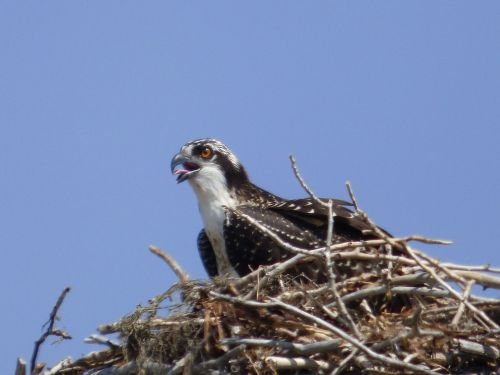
206 153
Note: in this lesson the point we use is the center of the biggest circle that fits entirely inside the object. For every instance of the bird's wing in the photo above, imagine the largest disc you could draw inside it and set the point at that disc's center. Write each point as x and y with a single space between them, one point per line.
346 222
207 254
248 246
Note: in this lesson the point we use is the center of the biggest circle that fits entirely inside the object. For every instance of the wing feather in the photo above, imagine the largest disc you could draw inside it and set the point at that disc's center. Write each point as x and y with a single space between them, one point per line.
207 254
346 222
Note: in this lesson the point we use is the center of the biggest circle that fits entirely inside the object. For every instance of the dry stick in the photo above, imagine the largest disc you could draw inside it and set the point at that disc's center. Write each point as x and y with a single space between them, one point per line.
181 274
50 329
460 311
461 267
300 363
485 280
179 366
478 349
344 362
279 269
219 361
337 331
383 289
20 367
485 267
296 348
64 364
331 276
303 183
101 340
452 275
351 194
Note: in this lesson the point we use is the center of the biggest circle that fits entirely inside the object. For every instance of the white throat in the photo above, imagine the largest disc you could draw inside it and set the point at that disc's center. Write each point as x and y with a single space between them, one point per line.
210 187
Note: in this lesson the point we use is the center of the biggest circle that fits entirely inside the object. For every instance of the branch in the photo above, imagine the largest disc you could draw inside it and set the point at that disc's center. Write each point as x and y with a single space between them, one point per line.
50 331
181 274
303 183
220 361
297 348
351 194
288 364
20 367
461 307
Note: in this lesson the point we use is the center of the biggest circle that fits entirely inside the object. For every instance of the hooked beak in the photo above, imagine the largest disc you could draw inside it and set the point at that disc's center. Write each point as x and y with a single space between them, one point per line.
188 167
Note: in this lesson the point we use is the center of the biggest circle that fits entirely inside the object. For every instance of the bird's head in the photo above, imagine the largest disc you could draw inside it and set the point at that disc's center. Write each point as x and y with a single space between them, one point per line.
205 162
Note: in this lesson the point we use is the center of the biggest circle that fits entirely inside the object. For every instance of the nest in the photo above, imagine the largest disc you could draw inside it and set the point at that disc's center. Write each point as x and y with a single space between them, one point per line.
402 311
402 317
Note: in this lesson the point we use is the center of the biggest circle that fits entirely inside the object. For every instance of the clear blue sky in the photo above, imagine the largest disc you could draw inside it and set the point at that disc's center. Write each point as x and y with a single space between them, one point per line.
401 98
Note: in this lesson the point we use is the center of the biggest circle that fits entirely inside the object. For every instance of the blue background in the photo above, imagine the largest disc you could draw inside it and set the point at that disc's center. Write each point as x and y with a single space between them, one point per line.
400 98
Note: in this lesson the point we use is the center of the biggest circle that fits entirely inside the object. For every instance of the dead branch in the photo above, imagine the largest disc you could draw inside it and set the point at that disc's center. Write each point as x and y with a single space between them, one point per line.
50 331
181 274
20 367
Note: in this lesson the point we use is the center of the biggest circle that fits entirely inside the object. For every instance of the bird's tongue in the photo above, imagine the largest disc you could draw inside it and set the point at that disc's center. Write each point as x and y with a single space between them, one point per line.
181 172
188 167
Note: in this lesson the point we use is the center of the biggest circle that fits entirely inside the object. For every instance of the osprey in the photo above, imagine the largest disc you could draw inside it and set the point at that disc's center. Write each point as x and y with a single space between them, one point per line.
231 244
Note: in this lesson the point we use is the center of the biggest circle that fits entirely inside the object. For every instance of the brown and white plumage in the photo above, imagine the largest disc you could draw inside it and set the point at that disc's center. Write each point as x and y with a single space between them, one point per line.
230 244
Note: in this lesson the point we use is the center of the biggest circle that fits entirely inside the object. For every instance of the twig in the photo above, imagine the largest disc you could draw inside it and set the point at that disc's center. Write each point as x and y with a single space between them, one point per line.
66 362
351 194
382 289
434 262
220 361
484 268
180 365
181 274
277 270
50 331
102 340
476 348
297 348
303 183
20 367
344 362
485 280
461 307
331 277
132 368
297 363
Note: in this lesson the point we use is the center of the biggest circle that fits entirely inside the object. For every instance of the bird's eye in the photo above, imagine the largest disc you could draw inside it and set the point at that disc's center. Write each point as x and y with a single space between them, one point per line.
206 153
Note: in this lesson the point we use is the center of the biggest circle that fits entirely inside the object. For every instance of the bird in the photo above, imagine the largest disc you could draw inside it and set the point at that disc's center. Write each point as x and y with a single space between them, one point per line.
242 221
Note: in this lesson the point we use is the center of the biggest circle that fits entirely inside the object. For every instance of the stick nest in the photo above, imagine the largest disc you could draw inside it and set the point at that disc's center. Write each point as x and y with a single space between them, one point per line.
399 318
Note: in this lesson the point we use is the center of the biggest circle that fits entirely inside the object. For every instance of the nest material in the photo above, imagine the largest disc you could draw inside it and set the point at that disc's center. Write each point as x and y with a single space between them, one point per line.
402 317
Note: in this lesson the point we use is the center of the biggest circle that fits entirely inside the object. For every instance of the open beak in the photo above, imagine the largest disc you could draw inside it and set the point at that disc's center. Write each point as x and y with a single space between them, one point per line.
188 167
